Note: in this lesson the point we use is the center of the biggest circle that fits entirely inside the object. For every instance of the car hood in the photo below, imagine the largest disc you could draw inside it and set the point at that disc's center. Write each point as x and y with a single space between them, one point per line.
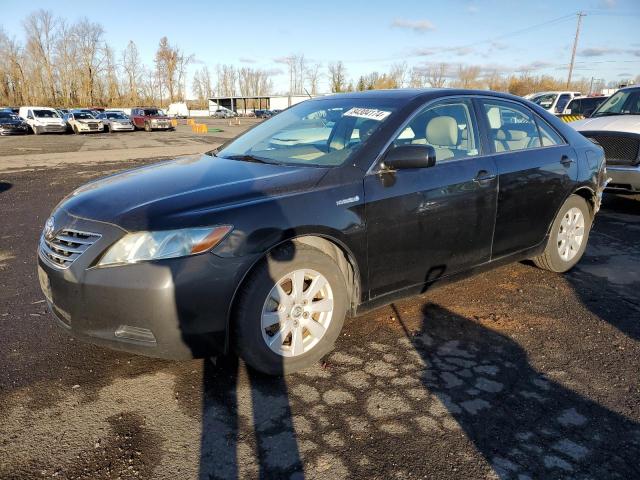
11 121
49 120
157 117
185 192
613 123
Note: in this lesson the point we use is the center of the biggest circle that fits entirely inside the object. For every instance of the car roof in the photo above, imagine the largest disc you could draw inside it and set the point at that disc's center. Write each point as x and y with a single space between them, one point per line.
408 94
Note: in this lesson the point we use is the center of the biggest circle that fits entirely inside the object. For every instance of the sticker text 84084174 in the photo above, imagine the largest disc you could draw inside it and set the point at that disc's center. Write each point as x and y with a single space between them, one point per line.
370 113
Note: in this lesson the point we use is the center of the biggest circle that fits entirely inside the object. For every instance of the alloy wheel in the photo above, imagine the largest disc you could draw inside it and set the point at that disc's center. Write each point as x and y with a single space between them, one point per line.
297 312
571 234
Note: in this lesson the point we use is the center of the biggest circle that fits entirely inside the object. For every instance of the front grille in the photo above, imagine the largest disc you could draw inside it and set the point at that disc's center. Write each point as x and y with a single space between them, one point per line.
93 126
63 249
618 149
54 128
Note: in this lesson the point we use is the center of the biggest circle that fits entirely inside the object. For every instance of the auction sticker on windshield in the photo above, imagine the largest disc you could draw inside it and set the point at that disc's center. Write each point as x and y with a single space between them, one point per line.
370 113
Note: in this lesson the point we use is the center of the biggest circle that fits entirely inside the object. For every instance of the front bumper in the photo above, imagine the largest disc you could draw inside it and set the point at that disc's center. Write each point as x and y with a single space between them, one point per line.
14 130
623 179
87 129
116 127
161 126
183 303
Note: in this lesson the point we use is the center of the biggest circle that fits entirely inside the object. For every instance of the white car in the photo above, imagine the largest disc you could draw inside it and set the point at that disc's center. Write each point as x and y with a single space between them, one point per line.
615 125
553 102
116 121
81 121
43 120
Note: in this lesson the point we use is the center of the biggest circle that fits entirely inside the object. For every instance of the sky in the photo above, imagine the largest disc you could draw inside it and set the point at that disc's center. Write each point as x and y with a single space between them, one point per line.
503 35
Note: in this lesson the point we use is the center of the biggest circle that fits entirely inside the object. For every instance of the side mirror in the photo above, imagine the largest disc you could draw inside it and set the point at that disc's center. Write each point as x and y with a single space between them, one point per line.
410 156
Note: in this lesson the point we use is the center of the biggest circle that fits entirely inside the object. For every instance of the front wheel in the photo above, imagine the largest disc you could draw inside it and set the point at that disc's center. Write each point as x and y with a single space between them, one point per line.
568 237
290 311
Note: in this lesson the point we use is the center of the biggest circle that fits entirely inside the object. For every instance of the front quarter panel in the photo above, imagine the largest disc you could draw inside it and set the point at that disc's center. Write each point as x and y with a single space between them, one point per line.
334 210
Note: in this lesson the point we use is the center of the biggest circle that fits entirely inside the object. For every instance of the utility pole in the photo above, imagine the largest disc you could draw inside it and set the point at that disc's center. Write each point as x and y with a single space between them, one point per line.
575 47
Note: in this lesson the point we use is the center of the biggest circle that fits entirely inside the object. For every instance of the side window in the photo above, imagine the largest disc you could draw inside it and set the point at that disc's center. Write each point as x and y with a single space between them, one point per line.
549 136
448 126
562 102
511 127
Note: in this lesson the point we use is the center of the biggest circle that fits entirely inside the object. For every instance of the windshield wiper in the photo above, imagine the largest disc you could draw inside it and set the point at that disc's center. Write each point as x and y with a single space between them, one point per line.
247 158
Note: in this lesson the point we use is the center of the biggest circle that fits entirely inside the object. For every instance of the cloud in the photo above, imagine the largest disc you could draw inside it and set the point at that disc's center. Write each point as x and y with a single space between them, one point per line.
627 75
429 51
246 60
607 3
598 51
420 26
472 9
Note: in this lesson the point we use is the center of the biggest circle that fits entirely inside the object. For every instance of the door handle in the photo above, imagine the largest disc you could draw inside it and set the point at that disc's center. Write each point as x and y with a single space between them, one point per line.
566 161
483 176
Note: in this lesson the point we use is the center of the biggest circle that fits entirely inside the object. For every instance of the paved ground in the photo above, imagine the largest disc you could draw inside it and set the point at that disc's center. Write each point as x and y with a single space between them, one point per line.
517 373
26 152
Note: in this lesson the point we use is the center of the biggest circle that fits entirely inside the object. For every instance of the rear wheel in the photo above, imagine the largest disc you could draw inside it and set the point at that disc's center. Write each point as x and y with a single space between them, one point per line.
568 237
290 311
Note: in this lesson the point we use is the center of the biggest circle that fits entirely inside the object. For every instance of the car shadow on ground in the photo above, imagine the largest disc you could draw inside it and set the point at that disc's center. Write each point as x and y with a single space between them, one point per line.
611 262
4 186
524 423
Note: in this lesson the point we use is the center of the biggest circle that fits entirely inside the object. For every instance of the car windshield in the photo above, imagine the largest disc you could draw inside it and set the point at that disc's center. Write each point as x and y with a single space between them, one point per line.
315 132
148 112
116 116
545 100
623 102
83 116
46 114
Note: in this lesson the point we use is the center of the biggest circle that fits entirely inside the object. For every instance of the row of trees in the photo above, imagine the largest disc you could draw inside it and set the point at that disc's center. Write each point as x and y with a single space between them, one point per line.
67 64
459 76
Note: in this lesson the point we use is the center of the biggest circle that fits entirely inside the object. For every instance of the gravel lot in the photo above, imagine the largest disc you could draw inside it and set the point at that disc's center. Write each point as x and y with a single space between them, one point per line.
516 373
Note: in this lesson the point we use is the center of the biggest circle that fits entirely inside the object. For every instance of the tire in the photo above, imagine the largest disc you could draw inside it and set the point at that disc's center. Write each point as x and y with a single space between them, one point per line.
255 297
551 259
147 127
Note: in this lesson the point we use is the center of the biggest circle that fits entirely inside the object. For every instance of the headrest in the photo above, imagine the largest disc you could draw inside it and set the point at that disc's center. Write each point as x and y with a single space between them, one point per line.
511 134
442 131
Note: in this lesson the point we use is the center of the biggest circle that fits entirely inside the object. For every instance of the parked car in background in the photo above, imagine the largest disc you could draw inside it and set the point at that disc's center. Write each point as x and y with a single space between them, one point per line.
263 113
584 106
115 121
222 113
43 120
12 124
81 121
554 102
14 110
263 247
615 125
150 118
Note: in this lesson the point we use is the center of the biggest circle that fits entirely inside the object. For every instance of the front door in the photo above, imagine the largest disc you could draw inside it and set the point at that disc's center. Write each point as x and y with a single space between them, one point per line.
426 223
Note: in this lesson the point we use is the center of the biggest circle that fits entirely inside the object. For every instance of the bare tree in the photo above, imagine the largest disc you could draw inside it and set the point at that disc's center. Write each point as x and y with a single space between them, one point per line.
398 74
337 77
436 75
88 41
41 29
467 76
227 79
132 66
313 76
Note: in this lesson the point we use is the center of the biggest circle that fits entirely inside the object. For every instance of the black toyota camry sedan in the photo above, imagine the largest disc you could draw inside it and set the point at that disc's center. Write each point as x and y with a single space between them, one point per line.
334 206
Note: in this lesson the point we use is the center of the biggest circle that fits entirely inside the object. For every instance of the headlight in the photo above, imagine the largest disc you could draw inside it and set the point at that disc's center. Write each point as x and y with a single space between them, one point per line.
141 246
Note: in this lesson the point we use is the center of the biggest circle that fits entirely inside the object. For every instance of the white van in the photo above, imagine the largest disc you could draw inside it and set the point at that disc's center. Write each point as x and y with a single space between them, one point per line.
178 110
43 120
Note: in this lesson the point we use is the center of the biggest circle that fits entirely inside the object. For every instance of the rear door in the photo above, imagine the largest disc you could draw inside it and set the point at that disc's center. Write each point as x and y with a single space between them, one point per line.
536 168
427 223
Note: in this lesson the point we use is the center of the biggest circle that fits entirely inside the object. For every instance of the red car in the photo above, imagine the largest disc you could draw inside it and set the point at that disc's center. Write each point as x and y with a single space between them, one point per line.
150 118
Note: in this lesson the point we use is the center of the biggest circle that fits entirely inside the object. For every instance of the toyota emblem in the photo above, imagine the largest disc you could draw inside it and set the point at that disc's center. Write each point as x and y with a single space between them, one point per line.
49 227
